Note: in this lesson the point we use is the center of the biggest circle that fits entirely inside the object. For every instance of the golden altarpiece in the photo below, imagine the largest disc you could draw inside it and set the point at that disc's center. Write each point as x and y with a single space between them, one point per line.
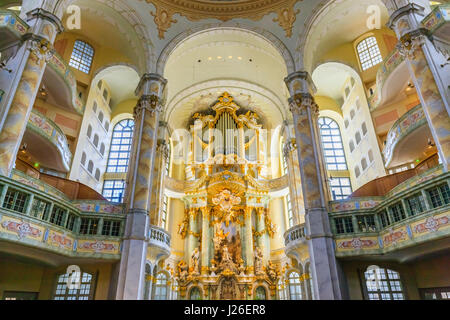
226 225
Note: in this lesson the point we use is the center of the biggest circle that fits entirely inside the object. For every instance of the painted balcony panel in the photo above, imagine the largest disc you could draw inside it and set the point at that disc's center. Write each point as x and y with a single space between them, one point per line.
407 139
432 222
47 142
392 77
61 85
12 29
31 222
437 22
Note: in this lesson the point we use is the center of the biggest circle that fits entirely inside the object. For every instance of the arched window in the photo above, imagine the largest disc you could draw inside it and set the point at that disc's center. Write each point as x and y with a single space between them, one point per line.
332 144
89 131
364 164
105 95
101 116
371 158
195 294
82 56
352 146
90 166
347 92
85 291
148 273
364 128
280 289
83 158
358 137
160 288
369 53
260 293
352 82
97 174
295 286
164 212
99 85
357 172
96 140
169 157
119 153
95 107
102 149
175 289
107 126
352 114
346 123
290 211
383 284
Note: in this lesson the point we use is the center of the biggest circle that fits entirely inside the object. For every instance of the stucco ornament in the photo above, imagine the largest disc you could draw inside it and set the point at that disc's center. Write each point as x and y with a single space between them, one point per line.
226 200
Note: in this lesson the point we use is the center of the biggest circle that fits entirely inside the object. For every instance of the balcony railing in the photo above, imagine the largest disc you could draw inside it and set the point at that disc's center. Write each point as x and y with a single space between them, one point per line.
35 217
416 211
49 130
159 237
60 66
409 122
295 234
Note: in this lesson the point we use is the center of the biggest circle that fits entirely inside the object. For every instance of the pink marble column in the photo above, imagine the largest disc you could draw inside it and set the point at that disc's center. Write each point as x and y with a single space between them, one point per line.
313 177
131 280
427 68
44 27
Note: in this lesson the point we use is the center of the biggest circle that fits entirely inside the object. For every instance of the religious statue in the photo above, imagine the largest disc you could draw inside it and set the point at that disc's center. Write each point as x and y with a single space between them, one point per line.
227 261
259 261
271 271
182 228
195 265
182 269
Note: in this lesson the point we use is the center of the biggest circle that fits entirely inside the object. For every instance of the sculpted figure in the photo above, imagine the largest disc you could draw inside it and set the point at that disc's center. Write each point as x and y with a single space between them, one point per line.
259 261
195 265
182 269
272 271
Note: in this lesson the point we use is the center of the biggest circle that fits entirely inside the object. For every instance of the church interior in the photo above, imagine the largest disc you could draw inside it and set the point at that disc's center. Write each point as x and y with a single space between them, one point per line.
224 150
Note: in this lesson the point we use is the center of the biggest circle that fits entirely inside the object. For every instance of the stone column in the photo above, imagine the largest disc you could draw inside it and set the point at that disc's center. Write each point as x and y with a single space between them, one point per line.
249 256
205 240
44 26
135 241
313 177
428 68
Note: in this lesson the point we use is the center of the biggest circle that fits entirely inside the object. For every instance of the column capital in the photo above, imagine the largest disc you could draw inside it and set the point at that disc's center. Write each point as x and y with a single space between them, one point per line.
301 102
163 148
40 47
289 146
300 82
151 84
42 14
150 103
404 19
410 42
